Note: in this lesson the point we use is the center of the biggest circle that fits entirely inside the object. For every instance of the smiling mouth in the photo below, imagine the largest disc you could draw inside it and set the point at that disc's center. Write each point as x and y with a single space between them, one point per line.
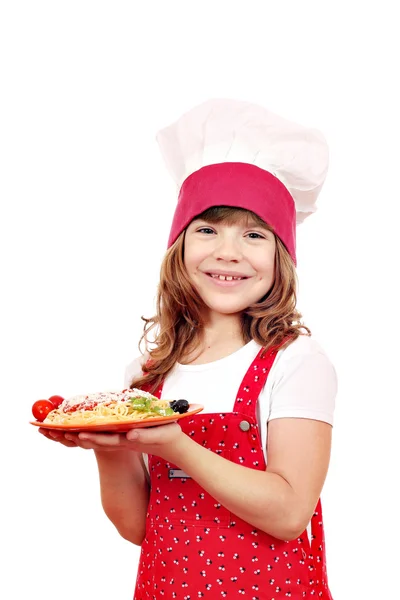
226 277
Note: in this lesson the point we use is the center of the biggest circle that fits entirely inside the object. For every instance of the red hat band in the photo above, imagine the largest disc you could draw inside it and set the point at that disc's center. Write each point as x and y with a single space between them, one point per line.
240 185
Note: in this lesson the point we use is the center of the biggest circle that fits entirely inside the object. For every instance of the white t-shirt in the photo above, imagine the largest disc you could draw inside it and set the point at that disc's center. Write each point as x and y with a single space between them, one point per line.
302 383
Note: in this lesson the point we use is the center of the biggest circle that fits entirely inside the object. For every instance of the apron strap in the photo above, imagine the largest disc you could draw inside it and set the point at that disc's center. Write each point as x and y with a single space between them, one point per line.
254 381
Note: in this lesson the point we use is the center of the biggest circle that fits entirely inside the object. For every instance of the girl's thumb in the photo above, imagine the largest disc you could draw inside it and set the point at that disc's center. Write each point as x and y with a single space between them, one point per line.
132 435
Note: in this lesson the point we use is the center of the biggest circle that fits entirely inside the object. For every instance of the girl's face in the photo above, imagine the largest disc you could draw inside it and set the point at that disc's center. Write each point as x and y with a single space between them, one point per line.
230 265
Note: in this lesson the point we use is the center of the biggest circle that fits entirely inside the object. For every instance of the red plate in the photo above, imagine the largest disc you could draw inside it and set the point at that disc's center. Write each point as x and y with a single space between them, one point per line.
126 425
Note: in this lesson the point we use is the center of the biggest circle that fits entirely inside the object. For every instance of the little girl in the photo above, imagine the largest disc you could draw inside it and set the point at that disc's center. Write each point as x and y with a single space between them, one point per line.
225 504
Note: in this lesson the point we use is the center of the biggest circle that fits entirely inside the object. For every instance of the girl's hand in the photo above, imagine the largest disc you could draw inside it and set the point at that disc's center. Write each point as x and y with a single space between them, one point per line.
58 436
163 440
166 441
72 440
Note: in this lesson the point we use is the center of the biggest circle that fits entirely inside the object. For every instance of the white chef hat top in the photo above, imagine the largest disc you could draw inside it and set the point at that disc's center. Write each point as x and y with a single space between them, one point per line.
223 130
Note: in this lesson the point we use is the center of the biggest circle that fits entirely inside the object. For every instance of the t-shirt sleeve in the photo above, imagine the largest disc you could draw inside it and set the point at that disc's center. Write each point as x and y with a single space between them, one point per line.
305 386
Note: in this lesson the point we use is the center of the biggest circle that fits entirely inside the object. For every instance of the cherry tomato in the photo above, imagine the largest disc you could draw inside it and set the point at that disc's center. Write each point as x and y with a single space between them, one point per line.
56 400
41 409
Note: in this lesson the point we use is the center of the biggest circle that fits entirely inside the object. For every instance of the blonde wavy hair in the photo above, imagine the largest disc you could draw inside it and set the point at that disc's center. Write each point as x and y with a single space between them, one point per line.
273 321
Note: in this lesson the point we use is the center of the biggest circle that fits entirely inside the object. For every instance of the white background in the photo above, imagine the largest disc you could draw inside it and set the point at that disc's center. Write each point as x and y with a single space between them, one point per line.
86 205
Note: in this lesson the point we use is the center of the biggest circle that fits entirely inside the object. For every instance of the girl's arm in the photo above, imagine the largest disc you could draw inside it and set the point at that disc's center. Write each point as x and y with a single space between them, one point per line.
123 481
279 501
124 491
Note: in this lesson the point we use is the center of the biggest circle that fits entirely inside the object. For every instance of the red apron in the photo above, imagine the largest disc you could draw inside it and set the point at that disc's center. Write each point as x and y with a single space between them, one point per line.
196 548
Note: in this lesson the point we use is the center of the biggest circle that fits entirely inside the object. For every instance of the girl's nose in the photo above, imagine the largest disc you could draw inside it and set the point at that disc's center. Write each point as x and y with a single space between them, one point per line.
228 249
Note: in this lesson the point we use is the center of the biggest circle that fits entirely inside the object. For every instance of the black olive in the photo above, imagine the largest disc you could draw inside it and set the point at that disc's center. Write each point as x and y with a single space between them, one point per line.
179 406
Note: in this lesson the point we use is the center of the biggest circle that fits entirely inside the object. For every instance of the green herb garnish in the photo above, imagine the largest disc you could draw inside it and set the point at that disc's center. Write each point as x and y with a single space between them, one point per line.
145 405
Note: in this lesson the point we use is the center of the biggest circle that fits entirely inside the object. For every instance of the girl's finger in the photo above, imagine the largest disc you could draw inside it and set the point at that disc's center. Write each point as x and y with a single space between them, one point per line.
50 434
56 436
101 439
44 432
151 435
86 445
132 435
68 443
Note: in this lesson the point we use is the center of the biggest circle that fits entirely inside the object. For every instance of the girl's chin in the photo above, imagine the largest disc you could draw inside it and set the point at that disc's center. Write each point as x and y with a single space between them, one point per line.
225 309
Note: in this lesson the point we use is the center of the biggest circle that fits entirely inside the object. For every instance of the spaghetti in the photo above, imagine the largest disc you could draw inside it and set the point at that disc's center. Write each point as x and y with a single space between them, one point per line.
109 407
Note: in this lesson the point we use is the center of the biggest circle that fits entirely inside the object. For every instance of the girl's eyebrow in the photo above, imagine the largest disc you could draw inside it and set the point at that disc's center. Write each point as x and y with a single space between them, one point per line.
250 224
255 225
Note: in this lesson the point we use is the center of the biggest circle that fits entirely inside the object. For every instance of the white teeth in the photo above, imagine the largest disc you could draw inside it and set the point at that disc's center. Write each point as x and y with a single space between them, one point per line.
225 277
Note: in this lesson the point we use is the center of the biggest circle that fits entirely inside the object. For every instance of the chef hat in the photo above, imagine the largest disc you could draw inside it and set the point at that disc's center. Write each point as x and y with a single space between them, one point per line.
233 153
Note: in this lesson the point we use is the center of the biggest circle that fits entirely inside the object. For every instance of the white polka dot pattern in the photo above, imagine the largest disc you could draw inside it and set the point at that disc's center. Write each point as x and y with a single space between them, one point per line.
195 548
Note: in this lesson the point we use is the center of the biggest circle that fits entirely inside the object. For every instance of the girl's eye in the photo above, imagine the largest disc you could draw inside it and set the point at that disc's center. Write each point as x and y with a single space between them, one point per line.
206 230
254 236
